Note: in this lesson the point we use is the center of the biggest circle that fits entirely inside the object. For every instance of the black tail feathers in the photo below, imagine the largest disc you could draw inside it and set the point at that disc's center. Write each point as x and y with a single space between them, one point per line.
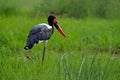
28 46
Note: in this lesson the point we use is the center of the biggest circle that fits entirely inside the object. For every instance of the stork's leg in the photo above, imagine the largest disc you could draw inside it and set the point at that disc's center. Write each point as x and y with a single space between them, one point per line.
45 43
28 54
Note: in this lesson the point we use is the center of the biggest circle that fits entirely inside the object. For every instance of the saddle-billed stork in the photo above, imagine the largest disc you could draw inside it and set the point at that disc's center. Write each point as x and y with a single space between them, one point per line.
42 33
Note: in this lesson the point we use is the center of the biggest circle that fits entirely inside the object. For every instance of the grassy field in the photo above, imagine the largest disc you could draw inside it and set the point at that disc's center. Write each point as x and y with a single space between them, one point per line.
90 51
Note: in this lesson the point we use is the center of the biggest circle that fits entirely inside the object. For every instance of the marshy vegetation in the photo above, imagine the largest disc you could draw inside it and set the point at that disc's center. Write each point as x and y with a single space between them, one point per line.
91 50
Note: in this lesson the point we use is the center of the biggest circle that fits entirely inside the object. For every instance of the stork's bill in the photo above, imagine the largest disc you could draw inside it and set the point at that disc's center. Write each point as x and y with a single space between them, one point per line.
58 27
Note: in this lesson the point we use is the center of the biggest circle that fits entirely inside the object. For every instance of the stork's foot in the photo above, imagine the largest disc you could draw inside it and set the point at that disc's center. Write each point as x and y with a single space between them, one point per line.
27 55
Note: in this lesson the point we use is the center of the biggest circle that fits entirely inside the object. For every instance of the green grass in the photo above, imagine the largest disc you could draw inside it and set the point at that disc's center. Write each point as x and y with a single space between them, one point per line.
84 55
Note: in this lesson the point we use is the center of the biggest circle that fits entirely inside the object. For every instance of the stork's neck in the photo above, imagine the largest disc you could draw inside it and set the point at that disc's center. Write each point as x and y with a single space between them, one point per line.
50 24
52 27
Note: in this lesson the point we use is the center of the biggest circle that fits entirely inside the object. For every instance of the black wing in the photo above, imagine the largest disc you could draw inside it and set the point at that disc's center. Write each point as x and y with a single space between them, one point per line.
38 33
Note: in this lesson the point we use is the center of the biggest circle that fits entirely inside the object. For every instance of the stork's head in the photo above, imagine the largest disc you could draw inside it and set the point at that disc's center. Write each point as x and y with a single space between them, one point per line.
52 21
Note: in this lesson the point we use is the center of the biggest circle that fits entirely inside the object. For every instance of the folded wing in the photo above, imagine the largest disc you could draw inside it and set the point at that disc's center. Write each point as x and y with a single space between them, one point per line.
38 33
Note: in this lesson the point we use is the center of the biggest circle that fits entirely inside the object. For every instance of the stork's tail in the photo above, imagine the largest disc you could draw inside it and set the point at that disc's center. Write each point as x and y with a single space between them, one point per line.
28 46
32 39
